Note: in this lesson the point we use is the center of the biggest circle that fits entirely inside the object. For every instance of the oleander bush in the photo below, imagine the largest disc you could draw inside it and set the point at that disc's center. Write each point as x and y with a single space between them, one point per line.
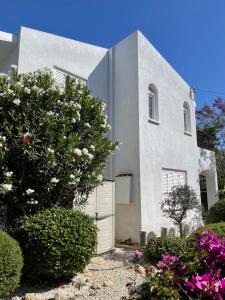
216 213
11 262
56 243
53 142
158 246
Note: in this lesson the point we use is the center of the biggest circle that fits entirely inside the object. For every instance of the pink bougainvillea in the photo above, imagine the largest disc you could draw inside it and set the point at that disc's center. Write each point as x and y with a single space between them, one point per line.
199 274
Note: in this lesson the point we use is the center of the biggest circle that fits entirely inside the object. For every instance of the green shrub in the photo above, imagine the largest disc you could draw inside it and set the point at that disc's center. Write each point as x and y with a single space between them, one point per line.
157 247
11 262
56 242
216 213
216 228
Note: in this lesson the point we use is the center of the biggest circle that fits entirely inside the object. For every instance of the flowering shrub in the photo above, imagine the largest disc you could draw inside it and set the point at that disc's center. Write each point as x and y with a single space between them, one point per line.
216 228
193 275
53 144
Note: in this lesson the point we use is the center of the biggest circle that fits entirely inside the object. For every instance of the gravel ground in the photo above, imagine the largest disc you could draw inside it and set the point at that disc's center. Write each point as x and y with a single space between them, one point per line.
113 270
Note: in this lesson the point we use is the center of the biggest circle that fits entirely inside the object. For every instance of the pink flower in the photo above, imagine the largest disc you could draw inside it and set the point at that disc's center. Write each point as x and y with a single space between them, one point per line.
137 253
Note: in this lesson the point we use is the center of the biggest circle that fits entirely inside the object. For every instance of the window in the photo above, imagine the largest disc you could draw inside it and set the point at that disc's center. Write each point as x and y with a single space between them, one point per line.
171 178
153 103
60 77
187 118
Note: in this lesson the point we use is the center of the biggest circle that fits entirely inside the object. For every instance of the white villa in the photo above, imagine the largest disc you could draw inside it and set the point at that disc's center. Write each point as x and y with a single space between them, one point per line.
151 110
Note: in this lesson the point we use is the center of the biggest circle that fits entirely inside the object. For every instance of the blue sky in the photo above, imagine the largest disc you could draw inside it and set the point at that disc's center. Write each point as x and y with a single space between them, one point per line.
190 34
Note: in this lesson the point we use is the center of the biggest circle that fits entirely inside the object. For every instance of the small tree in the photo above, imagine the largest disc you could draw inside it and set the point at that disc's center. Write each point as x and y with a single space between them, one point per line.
211 134
53 144
177 202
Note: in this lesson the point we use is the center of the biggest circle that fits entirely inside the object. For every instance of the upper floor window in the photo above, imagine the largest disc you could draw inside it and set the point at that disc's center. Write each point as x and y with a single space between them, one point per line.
187 118
60 77
153 103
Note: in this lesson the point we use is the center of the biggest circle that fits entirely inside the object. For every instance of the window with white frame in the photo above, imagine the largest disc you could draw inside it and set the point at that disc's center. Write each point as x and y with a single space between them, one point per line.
60 77
153 103
187 118
171 178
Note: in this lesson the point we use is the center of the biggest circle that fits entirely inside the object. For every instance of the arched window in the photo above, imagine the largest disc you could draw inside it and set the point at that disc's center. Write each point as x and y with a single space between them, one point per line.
187 118
153 103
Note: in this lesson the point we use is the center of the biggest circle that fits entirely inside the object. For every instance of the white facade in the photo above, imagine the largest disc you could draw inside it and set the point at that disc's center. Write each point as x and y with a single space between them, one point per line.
128 77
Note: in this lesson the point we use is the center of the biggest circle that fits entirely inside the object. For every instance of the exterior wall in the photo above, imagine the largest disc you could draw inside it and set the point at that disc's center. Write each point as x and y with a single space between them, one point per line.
163 145
11 59
99 85
9 51
120 77
207 167
40 50
125 129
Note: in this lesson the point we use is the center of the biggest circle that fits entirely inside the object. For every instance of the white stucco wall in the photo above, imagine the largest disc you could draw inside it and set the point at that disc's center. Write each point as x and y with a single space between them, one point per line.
164 145
9 51
125 129
39 50
207 167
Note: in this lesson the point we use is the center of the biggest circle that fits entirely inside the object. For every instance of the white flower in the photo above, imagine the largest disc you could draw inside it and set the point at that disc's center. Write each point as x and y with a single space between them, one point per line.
27 90
8 174
7 186
90 156
103 106
27 134
16 101
92 147
3 138
72 176
35 88
13 67
78 115
50 113
50 150
85 151
87 125
78 106
29 191
74 120
99 178
54 180
19 84
32 202
1 145
77 151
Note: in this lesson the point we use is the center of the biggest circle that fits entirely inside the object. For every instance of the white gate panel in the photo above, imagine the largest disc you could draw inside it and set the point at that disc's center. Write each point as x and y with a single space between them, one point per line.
101 206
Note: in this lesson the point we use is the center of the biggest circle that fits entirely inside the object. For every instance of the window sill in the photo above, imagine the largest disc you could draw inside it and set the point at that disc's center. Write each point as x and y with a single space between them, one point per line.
153 121
187 133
